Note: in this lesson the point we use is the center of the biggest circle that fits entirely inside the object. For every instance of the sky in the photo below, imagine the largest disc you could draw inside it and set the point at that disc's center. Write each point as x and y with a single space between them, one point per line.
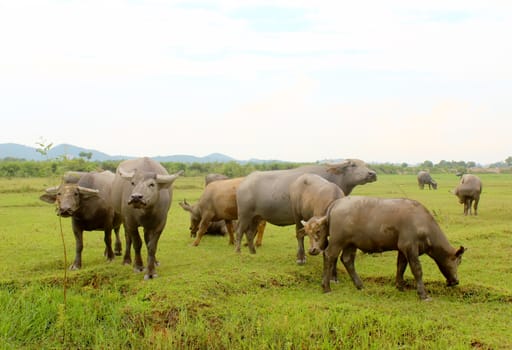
383 81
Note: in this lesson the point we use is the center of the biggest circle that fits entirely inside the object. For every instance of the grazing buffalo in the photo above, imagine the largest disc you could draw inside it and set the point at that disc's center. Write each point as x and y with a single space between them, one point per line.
424 178
376 225
311 195
469 190
265 195
142 193
86 198
218 202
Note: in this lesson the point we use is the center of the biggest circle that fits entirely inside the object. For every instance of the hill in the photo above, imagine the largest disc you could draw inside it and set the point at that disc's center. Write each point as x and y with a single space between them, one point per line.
17 151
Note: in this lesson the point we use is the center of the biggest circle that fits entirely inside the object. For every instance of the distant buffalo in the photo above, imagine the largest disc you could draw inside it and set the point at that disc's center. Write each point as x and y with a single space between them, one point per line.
142 193
468 191
424 178
87 199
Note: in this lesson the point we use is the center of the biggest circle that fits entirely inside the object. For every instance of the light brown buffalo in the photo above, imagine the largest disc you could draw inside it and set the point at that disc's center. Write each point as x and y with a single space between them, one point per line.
218 202
377 225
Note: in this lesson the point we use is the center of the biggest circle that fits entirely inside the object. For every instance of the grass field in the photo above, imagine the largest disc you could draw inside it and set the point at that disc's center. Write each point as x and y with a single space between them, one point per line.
211 297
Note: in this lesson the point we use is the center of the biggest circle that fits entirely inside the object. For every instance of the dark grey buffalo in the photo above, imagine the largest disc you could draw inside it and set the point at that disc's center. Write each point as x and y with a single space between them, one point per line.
142 193
424 178
86 198
469 190
377 225
265 195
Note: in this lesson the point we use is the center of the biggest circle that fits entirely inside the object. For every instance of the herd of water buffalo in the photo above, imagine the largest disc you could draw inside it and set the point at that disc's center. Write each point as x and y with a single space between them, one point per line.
315 198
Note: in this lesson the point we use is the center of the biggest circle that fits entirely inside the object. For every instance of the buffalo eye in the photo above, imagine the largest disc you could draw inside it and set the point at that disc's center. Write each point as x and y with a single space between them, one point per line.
133 183
152 184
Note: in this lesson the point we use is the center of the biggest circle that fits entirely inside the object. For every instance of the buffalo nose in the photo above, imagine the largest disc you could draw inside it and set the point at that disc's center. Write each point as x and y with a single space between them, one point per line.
136 198
314 251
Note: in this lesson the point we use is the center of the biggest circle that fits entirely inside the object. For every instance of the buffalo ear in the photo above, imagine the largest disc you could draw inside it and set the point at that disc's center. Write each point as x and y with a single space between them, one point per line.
460 251
48 198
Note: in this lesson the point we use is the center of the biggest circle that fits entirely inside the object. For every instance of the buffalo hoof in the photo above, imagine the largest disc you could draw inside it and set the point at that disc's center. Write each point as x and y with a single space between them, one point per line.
138 269
427 298
149 277
118 253
301 261
74 267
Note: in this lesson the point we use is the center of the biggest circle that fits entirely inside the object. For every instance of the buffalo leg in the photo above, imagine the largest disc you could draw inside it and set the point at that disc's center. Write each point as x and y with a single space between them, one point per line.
329 261
118 247
261 230
127 259
229 227
475 205
347 258
414 262
301 253
151 238
138 265
79 246
203 227
250 239
467 206
107 238
401 265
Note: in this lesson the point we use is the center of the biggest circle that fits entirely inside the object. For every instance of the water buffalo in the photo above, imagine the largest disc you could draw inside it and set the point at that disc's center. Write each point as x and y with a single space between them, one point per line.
265 195
311 195
142 193
86 198
424 178
469 190
377 225
218 202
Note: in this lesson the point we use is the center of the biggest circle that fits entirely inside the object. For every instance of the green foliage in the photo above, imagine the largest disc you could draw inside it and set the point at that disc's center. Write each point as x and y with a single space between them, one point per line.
211 297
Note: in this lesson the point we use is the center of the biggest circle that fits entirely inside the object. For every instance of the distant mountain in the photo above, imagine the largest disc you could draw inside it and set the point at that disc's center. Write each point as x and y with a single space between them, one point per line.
14 150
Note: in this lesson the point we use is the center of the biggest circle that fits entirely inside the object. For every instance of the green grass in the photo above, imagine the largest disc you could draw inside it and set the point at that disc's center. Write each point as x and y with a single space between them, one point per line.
210 297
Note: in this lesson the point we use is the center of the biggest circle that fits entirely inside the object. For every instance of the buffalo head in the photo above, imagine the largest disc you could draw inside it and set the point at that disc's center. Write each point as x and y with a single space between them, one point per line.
146 186
67 197
350 173
195 216
317 230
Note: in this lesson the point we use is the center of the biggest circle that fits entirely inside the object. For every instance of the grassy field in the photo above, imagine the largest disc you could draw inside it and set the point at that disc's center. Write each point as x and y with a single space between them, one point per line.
210 297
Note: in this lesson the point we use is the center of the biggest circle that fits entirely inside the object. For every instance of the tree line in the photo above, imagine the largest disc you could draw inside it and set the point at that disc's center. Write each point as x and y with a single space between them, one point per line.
11 167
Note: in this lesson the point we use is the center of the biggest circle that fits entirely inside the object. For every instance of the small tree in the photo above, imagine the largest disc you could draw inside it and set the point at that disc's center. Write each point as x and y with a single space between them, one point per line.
509 160
44 147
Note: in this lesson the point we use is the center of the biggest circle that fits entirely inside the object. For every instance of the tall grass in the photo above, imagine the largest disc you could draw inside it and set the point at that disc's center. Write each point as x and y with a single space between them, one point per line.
211 297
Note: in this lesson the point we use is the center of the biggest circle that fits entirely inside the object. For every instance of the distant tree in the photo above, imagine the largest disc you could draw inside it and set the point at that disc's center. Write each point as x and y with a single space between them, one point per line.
427 164
87 155
509 161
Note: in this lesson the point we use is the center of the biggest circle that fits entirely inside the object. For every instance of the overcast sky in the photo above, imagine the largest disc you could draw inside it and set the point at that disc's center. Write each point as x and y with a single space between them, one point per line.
383 81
